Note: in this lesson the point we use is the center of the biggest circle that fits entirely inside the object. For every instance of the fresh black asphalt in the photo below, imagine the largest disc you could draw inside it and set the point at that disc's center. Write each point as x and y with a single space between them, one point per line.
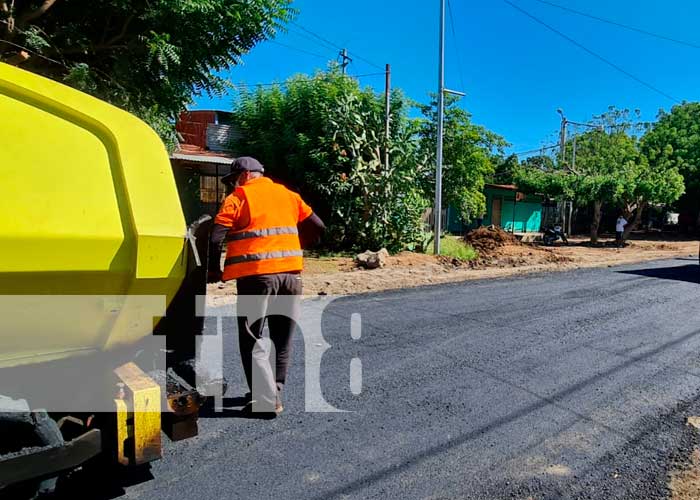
565 385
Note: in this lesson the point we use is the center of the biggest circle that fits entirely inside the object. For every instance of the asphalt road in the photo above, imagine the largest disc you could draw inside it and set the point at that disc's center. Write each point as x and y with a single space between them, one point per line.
568 385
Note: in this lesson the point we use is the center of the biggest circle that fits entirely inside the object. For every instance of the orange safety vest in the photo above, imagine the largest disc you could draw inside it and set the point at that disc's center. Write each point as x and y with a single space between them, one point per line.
270 243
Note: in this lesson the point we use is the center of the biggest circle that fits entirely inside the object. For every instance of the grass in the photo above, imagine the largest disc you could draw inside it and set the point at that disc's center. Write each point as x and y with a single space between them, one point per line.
327 254
453 246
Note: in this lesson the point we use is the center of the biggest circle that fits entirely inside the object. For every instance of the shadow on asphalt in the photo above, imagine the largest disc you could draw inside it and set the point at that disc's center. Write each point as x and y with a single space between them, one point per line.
689 273
103 480
100 480
542 401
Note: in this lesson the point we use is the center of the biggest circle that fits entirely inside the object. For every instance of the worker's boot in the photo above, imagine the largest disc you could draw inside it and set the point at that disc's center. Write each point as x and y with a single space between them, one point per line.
248 402
208 383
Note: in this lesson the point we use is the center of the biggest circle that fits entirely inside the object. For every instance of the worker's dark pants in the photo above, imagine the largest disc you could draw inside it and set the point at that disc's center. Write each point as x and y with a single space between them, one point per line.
275 298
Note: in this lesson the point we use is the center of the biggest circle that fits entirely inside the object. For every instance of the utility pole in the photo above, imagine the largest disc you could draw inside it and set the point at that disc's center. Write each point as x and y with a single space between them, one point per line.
562 137
441 129
345 59
437 211
388 116
562 155
573 167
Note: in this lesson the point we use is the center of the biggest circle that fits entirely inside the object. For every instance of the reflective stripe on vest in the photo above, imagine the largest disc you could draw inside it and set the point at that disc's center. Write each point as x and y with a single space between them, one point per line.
263 256
269 244
259 233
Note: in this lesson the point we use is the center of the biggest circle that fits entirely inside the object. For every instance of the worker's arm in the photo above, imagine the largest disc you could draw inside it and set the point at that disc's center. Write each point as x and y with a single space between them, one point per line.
310 231
310 225
225 219
216 242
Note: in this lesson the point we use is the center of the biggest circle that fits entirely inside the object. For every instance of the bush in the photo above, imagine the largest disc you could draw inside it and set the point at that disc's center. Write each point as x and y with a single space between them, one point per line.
452 246
325 137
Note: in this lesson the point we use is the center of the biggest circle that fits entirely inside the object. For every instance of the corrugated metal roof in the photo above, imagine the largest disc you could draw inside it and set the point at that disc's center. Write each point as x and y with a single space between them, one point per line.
220 137
207 129
204 157
509 187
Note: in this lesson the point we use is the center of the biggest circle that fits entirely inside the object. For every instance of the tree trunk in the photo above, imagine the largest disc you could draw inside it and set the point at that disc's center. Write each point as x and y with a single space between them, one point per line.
634 224
595 225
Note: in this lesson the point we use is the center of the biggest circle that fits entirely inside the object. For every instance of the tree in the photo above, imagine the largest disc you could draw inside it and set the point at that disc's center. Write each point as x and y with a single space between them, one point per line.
324 135
609 169
148 57
541 162
468 157
604 169
674 142
505 170
648 183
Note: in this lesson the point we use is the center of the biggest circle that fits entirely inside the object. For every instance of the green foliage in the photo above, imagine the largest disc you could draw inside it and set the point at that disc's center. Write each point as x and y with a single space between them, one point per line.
424 244
540 162
610 169
325 136
505 170
604 166
673 142
550 182
468 158
146 57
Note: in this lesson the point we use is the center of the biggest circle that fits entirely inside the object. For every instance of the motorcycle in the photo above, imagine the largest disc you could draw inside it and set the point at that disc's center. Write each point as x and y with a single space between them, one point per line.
553 234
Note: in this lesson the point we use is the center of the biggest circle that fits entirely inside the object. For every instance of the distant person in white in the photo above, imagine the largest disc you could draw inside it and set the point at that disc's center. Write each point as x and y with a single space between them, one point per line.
620 231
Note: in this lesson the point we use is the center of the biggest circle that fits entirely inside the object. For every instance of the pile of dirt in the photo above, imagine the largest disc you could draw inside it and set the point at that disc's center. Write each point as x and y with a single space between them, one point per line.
488 240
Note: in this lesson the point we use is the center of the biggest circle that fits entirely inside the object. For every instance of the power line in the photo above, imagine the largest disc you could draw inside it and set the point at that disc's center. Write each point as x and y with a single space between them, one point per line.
459 54
325 40
298 49
594 54
367 61
620 25
37 54
383 73
319 37
284 84
106 76
538 150
315 40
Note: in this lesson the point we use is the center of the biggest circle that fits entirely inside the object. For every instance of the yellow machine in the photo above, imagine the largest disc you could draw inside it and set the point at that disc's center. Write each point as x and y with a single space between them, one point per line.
89 207
93 248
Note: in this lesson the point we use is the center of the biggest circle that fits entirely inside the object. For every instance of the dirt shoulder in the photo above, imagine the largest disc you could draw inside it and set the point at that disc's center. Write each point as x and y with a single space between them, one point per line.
340 276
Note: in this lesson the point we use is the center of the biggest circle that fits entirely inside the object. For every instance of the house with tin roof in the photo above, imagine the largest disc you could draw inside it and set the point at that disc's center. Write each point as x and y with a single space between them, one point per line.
202 158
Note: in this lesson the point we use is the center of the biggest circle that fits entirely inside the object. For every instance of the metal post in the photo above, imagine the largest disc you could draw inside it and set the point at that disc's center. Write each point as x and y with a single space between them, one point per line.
440 131
562 159
571 203
346 60
388 116
562 137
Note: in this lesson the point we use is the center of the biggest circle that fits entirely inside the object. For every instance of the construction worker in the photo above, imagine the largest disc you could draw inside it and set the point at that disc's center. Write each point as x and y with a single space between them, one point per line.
265 226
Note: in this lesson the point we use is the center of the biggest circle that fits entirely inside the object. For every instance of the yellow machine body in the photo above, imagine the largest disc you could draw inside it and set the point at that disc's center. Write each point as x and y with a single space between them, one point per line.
92 234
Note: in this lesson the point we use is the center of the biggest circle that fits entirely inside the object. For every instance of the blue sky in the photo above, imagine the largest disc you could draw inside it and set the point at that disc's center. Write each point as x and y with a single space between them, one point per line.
516 72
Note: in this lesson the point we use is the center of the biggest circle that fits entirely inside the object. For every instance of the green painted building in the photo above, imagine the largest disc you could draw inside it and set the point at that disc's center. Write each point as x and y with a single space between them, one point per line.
506 208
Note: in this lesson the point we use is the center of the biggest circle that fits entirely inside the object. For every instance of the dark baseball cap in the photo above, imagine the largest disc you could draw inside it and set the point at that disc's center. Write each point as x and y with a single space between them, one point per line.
242 164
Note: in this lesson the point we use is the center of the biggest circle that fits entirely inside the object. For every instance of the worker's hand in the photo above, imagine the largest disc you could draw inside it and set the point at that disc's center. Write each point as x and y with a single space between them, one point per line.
214 276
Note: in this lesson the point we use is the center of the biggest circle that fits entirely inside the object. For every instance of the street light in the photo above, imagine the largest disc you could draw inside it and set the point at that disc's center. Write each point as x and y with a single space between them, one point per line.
437 211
